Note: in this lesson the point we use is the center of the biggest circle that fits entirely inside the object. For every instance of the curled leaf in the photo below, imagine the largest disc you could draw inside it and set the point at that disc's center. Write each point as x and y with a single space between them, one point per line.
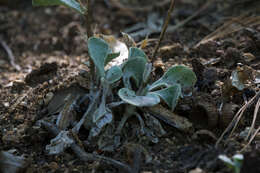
176 75
100 124
170 95
134 69
130 97
59 143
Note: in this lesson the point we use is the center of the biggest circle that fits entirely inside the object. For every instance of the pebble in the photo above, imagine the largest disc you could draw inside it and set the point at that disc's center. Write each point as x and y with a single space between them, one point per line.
6 104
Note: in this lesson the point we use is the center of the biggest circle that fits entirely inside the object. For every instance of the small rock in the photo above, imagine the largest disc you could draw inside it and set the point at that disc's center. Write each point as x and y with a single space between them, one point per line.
6 104
197 170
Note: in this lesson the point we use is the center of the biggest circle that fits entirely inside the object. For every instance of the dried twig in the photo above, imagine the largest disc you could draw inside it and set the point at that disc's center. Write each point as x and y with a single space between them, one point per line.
231 26
251 139
233 124
254 118
165 25
10 55
88 156
89 34
88 19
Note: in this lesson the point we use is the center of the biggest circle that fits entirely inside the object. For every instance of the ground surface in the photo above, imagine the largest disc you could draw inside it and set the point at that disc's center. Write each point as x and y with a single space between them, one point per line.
49 49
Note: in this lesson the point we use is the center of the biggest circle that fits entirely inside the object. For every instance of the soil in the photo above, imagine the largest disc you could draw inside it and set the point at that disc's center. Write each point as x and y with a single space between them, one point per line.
49 48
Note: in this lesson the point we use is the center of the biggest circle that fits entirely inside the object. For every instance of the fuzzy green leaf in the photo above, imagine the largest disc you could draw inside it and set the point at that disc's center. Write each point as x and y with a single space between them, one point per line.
98 50
130 97
68 3
176 75
170 95
134 69
114 74
134 52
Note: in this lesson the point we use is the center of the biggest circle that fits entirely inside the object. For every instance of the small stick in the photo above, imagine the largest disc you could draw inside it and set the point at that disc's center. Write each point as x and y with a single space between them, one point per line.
254 119
90 34
165 25
88 20
233 124
10 55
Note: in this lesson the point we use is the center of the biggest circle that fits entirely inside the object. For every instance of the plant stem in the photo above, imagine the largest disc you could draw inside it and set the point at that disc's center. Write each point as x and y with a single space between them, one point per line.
165 25
88 20
130 110
90 34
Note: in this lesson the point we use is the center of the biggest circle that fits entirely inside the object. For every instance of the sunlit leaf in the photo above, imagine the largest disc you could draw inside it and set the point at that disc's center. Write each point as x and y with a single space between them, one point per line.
134 69
119 51
130 97
176 75
68 3
170 95
114 74
98 50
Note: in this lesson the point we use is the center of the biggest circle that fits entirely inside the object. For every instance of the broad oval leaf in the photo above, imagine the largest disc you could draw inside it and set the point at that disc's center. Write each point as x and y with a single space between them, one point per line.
98 50
176 75
170 95
68 3
114 74
134 69
130 97
134 52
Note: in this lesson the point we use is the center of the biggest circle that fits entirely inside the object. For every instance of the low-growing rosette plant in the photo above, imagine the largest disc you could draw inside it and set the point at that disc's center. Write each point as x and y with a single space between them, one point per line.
122 91
137 92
